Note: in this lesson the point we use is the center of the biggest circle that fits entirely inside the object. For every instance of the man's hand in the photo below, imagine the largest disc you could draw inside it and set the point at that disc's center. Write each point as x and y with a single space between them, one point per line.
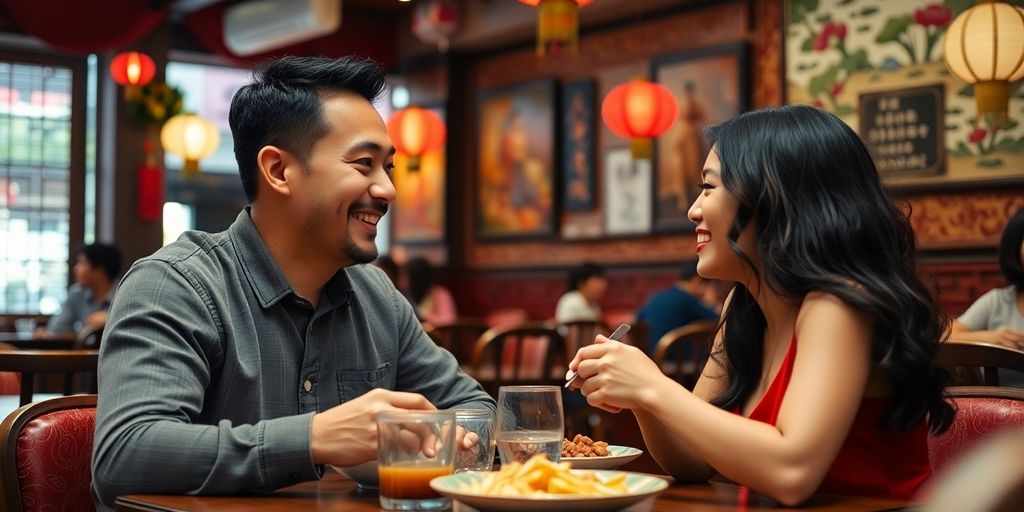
1007 337
346 435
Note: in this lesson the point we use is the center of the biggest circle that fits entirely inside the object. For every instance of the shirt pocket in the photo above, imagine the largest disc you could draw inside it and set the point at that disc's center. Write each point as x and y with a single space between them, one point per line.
355 383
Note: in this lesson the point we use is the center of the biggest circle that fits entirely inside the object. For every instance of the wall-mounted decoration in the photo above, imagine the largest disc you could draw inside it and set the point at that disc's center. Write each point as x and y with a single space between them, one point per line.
839 53
900 126
577 127
516 161
710 86
418 213
627 193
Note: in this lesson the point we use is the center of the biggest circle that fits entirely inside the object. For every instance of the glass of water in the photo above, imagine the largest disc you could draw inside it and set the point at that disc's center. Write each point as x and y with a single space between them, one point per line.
530 421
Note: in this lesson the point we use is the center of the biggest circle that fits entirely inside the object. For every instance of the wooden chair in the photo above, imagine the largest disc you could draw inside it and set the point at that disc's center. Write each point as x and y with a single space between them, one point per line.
958 355
506 316
682 352
981 412
46 455
87 338
519 355
30 362
580 333
458 337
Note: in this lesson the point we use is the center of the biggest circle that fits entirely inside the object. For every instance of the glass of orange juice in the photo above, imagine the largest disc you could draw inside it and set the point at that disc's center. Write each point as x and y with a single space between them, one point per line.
413 447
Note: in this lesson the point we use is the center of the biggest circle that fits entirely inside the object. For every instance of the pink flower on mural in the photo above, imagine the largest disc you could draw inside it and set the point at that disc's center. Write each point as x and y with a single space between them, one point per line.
837 89
934 15
817 103
977 135
822 40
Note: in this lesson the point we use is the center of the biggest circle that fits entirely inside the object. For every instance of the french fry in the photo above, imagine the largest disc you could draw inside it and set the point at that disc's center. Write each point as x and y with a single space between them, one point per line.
540 477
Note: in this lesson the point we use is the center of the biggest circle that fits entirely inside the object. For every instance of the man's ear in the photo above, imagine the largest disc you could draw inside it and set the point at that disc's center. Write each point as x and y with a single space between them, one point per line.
272 162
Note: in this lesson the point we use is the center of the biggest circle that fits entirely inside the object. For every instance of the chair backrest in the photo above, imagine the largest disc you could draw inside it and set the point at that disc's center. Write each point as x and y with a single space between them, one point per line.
30 362
90 336
519 355
682 352
506 316
955 355
981 412
580 333
458 337
46 455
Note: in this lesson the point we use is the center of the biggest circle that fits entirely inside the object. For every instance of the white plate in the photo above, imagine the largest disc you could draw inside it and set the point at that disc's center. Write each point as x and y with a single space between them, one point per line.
617 456
640 486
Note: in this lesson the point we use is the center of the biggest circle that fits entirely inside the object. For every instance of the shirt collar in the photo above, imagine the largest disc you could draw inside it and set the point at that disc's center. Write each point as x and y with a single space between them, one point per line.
264 275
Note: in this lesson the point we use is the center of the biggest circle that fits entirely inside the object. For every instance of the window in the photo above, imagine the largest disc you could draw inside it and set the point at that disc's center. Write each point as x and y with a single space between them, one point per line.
41 179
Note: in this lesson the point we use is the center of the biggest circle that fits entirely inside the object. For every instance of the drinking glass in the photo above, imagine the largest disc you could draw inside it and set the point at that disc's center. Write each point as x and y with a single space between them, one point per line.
412 448
529 421
481 456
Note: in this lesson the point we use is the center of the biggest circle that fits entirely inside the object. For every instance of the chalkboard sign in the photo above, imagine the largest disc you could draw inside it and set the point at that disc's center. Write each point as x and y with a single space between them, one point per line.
904 131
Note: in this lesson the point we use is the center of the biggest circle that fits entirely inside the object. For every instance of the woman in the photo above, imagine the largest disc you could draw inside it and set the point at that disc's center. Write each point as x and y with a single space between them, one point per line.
587 285
434 303
998 316
823 375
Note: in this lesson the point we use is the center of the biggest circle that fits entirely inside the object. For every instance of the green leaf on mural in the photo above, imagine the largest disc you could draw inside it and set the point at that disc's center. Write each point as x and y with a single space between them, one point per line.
1016 87
951 127
799 8
845 2
1009 145
966 91
915 73
961 150
863 28
954 111
868 11
893 28
958 6
807 45
856 61
874 77
823 18
824 81
1011 124
990 163
842 110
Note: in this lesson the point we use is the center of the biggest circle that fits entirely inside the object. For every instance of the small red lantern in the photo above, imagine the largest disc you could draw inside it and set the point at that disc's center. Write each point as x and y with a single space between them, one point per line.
132 69
416 131
434 21
639 110
557 25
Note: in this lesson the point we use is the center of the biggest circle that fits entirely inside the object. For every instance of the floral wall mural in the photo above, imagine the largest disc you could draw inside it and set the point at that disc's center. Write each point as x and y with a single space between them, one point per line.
840 51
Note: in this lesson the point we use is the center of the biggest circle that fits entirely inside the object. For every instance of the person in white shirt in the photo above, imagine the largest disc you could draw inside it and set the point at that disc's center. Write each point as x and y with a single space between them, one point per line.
587 285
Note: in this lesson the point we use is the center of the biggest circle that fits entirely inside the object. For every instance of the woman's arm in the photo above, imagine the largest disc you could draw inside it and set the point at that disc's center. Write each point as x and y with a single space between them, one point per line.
1006 337
787 461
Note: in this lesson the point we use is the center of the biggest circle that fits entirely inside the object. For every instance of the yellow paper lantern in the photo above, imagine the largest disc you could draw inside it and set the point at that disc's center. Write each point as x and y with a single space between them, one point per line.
984 46
190 137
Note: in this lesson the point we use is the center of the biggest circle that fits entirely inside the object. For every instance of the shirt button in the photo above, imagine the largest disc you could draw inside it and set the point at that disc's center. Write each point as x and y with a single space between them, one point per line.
307 385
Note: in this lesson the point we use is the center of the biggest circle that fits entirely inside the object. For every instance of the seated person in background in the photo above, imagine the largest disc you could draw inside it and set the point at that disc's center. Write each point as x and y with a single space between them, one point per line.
998 316
587 285
390 268
676 306
243 361
823 375
96 269
434 303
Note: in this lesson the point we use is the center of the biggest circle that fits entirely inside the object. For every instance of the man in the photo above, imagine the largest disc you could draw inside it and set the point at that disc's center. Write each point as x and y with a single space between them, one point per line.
676 306
245 360
96 269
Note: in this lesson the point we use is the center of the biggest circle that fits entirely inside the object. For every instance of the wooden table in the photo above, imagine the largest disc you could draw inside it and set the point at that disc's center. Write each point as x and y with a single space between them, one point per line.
31 341
336 493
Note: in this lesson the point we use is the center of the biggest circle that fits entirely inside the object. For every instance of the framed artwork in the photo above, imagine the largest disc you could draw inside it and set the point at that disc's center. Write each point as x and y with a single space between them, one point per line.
879 66
516 161
418 213
710 86
577 127
627 194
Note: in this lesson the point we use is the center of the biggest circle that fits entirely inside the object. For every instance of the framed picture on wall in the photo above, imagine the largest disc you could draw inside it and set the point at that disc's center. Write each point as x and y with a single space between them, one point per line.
515 161
577 131
418 212
710 86
627 194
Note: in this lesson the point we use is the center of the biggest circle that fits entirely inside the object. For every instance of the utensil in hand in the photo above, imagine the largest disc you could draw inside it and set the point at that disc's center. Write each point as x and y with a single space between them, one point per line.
616 336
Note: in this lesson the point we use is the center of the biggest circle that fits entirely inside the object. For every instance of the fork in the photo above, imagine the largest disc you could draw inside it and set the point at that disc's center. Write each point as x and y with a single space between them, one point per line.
616 336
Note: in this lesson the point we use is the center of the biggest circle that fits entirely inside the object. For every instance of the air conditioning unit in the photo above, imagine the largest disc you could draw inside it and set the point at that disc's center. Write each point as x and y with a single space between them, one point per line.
260 25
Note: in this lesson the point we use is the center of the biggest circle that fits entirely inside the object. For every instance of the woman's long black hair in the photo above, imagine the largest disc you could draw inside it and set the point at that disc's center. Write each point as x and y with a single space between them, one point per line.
823 223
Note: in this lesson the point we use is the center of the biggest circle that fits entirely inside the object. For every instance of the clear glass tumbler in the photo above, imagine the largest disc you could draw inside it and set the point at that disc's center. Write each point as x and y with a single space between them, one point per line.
530 421
413 447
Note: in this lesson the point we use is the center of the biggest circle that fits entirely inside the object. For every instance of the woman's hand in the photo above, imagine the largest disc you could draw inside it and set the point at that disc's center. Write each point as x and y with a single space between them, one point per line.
615 376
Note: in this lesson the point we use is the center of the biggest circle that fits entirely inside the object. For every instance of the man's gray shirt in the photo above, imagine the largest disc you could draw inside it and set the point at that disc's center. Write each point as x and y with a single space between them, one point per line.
211 367
77 307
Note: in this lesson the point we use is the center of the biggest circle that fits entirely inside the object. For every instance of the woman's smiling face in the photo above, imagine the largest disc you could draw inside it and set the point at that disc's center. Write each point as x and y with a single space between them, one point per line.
713 212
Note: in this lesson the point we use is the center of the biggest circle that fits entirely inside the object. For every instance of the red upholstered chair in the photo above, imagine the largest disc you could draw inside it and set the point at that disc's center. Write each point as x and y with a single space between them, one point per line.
981 412
46 455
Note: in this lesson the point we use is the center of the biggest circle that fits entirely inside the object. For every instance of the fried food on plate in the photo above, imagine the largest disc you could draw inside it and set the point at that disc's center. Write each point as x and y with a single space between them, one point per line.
539 477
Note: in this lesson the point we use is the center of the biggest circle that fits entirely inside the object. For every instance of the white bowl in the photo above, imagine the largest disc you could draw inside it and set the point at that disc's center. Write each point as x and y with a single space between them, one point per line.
365 474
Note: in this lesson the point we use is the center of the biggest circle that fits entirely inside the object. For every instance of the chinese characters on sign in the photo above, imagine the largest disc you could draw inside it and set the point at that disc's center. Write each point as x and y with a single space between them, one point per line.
903 130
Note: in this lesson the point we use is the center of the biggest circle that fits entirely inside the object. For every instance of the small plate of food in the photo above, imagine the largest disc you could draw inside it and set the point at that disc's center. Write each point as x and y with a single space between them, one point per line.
539 485
585 453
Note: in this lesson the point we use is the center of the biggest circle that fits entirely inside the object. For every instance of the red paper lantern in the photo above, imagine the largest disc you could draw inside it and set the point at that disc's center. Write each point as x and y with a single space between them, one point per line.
639 110
416 131
557 25
132 68
434 21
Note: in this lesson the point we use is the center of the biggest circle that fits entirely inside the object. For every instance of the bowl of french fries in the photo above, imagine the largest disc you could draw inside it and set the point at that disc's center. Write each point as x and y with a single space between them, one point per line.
540 485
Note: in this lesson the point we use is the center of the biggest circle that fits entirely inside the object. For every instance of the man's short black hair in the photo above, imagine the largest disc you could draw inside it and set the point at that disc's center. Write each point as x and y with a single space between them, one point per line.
583 272
282 106
105 256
